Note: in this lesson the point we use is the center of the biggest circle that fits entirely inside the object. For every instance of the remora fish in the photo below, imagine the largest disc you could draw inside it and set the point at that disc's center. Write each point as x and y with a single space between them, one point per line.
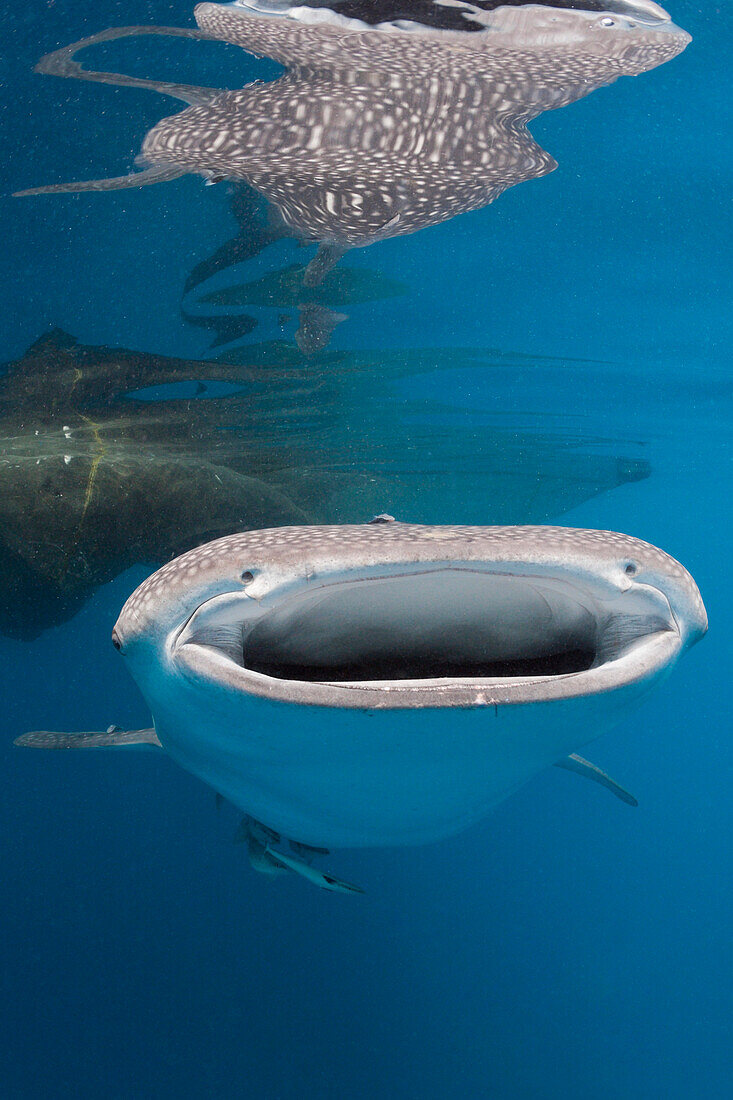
387 683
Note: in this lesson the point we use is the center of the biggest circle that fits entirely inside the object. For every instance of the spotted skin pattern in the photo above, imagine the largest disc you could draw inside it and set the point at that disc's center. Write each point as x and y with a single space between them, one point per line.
374 132
379 134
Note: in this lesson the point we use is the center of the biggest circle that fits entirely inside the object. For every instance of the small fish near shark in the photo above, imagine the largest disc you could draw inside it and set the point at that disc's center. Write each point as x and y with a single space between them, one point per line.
388 683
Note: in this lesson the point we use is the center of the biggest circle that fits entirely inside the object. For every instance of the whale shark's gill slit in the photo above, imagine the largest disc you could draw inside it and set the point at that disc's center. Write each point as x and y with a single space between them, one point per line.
225 638
621 632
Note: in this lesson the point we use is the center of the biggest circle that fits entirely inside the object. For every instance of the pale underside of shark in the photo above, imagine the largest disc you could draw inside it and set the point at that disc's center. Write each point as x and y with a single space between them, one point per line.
379 131
388 683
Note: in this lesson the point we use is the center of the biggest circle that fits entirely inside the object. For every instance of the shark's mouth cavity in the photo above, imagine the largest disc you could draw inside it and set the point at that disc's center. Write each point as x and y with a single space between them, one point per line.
445 622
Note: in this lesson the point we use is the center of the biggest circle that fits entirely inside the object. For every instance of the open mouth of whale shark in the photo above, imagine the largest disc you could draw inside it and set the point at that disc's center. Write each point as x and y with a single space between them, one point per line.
442 622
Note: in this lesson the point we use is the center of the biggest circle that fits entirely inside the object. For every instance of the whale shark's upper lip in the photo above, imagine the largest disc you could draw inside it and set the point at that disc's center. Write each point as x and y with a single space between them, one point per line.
453 635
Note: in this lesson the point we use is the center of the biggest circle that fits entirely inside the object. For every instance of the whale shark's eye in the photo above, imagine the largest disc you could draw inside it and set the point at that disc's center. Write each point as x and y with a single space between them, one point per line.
116 641
608 23
247 576
630 568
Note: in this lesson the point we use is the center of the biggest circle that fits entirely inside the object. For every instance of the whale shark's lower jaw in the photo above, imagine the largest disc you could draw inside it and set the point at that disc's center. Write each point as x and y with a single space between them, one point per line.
441 634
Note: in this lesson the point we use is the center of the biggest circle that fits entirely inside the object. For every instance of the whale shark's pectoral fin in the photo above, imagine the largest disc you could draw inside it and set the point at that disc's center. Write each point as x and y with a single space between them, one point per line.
330 252
157 174
112 737
577 764
328 255
61 63
271 861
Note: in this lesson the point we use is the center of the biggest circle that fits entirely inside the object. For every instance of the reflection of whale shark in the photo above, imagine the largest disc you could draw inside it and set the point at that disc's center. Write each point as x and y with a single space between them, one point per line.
286 289
380 131
464 15
123 467
387 684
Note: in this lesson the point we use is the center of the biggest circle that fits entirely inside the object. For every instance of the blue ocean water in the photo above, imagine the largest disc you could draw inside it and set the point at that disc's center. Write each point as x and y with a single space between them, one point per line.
560 355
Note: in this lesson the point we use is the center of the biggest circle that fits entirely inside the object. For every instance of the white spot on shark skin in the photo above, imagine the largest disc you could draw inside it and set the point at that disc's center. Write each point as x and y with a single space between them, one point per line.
67 459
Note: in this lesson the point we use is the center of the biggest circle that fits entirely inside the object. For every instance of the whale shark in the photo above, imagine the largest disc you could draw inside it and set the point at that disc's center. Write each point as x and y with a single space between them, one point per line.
391 116
389 683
